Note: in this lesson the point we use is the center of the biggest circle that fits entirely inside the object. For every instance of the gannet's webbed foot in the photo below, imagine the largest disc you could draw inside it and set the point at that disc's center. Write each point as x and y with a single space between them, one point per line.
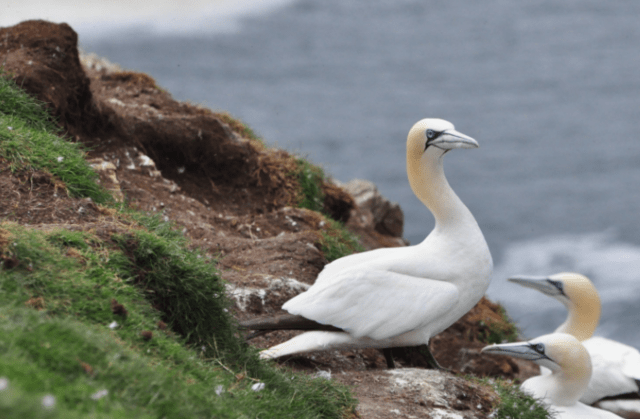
388 356
431 360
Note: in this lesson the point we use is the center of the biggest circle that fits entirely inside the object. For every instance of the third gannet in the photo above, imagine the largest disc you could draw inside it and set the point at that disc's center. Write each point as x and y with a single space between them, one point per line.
570 367
616 366
393 297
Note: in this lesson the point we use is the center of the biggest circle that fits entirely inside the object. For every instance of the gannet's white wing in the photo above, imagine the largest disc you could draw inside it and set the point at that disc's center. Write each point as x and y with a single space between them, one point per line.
375 304
616 367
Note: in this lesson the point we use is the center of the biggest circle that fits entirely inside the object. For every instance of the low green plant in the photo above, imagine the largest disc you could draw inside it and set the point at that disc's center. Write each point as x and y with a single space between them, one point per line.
514 403
337 241
500 332
310 178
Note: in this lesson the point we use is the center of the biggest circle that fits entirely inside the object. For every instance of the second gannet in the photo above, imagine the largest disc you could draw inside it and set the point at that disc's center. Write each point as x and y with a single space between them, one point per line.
616 366
393 297
570 367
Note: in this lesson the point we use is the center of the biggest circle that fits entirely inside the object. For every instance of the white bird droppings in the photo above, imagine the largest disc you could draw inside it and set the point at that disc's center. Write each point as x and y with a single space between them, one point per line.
257 387
48 401
99 394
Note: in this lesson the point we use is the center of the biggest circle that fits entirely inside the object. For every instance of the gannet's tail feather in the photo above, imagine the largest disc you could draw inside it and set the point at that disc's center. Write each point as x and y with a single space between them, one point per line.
315 341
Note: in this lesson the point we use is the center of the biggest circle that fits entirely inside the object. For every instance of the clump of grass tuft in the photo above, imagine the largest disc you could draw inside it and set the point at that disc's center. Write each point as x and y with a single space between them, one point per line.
337 241
29 139
500 331
516 404
310 178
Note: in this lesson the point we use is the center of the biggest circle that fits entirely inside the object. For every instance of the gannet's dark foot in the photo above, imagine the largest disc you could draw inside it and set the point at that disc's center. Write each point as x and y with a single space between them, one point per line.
388 356
431 360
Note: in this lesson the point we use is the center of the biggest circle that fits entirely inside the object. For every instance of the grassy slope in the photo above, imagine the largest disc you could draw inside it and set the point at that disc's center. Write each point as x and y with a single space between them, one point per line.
55 308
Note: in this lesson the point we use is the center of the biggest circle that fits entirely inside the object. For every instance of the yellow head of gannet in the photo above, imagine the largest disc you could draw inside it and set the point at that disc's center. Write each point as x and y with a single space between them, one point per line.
563 354
576 293
402 296
570 367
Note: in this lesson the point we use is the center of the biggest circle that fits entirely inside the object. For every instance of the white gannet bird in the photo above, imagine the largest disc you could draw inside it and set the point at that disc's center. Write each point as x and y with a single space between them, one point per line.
393 297
570 367
616 366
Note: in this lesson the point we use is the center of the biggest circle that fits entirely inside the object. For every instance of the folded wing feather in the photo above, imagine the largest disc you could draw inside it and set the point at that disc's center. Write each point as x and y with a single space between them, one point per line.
375 304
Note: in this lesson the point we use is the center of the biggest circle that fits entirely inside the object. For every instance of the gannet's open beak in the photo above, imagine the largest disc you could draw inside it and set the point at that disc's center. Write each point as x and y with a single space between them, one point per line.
524 350
451 139
540 283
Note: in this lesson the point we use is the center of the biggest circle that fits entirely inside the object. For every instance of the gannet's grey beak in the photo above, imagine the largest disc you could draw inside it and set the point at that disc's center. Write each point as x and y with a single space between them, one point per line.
523 350
451 139
540 283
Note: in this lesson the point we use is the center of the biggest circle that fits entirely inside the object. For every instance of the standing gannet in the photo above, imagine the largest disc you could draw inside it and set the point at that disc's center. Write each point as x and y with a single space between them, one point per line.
616 366
392 297
570 367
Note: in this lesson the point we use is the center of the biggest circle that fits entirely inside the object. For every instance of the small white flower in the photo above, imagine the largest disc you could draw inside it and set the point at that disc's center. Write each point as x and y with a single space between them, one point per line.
203 348
113 325
166 219
60 158
257 387
4 383
48 401
99 394
219 390
10 128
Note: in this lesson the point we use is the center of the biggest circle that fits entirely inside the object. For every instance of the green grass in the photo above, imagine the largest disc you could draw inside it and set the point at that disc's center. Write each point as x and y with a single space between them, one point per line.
337 241
516 404
56 293
500 332
73 277
310 178
29 138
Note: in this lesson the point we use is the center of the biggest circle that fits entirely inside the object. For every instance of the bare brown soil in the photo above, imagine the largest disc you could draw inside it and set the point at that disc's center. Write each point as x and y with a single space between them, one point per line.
231 195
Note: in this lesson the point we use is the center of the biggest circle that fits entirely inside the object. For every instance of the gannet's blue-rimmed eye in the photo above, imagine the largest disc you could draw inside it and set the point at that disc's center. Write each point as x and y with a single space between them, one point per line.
540 348
431 134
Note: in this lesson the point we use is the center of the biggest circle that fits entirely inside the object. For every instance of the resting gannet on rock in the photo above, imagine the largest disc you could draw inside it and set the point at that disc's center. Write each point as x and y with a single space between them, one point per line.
616 366
570 367
393 297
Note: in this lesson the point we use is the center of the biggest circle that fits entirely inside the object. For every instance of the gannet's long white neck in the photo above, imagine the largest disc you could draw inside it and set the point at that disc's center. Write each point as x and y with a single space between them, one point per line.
430 185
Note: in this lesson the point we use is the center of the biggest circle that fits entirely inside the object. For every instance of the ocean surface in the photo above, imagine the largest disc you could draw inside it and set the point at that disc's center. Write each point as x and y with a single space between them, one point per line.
551 91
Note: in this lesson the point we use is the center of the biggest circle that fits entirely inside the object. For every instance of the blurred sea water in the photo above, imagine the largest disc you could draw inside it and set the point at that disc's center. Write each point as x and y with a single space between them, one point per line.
551 91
